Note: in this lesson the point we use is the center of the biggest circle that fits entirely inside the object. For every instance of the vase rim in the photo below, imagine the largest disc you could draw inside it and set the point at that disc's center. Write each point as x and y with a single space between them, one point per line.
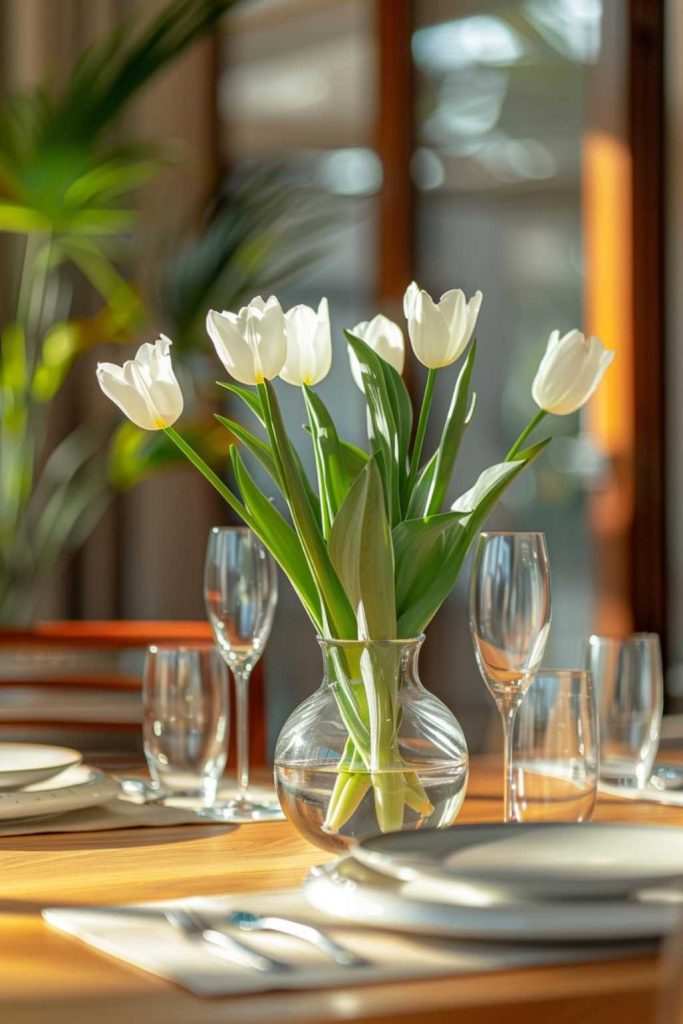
325 641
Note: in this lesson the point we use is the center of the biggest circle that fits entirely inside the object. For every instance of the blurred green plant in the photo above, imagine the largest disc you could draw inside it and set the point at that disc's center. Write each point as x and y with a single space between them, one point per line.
67 194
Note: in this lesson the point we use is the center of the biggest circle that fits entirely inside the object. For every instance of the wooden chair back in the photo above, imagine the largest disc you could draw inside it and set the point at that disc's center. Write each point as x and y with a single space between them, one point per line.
80 683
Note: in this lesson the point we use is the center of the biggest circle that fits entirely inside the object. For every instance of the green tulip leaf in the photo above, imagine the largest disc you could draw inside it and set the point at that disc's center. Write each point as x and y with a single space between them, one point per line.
339 620
361 551
454 428
418 498
279 537
258 448
386 420
250 398
441 568
415 543
330 461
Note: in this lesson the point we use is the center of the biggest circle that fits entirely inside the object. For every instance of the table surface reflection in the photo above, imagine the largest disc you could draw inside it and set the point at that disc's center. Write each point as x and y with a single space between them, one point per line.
48 977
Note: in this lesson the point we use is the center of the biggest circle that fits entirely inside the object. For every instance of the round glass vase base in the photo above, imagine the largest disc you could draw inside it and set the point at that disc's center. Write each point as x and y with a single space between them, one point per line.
306 795
240 812
371 710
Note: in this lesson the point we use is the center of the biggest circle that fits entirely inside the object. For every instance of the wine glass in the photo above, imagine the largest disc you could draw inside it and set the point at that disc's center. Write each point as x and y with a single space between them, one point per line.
509 620
240 592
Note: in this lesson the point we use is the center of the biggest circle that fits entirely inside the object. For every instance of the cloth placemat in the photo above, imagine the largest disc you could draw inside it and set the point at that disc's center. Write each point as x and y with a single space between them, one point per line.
139 935
127 812
118 813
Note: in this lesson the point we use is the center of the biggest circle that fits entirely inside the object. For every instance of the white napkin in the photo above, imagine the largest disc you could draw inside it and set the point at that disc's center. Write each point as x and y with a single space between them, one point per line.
140 935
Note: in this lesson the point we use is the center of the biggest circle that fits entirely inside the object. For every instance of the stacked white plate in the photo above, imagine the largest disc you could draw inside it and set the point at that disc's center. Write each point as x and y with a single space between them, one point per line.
524 883
40 781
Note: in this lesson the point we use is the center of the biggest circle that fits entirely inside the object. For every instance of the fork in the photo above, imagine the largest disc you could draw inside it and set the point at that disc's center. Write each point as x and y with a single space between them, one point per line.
196 927
249 922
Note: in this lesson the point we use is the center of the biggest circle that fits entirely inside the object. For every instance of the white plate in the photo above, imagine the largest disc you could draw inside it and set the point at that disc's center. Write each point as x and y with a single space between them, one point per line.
542 861
349 891
22 764
73 789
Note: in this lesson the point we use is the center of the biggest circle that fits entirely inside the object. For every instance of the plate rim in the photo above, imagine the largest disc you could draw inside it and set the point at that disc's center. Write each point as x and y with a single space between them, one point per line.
97 780
424 867
75 757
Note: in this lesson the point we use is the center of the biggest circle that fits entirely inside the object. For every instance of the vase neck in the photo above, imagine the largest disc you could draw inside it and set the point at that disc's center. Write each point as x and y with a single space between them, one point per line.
362 660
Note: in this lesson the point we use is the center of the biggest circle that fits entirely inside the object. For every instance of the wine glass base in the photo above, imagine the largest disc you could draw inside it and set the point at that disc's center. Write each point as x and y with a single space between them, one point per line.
237 812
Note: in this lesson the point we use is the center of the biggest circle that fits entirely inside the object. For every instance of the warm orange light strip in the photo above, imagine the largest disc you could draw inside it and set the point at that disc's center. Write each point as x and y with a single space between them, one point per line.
607 233
610 416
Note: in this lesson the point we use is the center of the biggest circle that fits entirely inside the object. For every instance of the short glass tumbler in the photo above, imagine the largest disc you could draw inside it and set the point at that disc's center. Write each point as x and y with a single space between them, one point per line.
627 674
185 719
555 749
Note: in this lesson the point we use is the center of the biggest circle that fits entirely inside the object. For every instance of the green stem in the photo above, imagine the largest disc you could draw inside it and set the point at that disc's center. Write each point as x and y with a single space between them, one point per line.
206 471
529 429
421 431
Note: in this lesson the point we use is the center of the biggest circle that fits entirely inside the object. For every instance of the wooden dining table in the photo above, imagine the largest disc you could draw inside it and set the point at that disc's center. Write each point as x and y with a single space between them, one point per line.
48 977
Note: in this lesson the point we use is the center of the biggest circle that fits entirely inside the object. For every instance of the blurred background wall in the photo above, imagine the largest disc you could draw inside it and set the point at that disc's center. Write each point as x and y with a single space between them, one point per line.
468 143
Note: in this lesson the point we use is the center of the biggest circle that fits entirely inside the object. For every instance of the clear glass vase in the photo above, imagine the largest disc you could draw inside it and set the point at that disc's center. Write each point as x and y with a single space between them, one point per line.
372 750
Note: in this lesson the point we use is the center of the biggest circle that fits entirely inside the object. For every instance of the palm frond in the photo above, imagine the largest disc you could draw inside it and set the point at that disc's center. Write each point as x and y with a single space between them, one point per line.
260 232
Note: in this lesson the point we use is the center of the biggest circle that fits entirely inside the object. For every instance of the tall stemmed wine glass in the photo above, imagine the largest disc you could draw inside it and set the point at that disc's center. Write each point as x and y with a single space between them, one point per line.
509 620
240 592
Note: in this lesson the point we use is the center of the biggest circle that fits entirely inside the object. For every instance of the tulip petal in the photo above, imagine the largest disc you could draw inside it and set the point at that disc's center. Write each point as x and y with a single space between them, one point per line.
385 338
473 307
411 293
428 332
309 345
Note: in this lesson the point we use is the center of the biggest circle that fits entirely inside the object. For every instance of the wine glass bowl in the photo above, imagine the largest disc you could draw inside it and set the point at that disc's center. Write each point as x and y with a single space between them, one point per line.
240 594
509 620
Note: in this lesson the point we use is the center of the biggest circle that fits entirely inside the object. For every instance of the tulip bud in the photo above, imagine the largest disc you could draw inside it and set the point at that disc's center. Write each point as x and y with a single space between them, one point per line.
251 344
570 371
309 345
385 338
440 332
145 388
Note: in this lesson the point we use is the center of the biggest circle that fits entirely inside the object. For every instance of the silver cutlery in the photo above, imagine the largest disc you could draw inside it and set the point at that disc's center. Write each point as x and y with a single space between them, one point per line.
196 927
249 922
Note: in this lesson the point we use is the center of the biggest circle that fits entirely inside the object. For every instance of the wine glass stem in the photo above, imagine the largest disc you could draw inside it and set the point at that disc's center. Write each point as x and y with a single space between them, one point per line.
508 713
242 729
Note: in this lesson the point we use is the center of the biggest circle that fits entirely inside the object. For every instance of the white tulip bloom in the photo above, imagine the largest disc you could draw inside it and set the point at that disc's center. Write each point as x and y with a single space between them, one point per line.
309 345
570 371
440 331
385 338
251 344
145 388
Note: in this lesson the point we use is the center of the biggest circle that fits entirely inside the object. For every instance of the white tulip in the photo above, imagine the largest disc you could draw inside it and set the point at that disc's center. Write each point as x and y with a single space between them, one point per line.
440 331
309 345
145 388
251 344
385 338
570 371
